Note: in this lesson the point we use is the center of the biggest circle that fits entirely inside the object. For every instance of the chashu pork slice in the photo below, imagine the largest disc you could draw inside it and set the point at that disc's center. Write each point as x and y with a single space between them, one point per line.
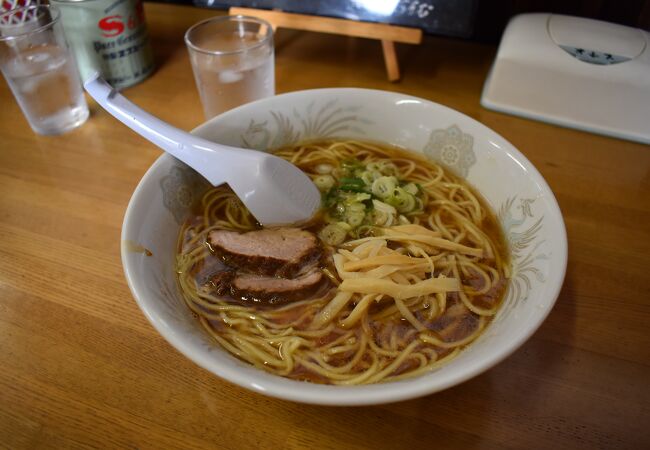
275 290
282 252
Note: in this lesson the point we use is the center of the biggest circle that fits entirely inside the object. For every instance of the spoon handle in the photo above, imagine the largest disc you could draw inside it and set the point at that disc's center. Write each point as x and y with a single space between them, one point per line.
196 152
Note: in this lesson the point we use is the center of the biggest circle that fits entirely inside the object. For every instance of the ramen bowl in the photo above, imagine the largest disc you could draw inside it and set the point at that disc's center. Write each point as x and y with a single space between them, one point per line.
522 201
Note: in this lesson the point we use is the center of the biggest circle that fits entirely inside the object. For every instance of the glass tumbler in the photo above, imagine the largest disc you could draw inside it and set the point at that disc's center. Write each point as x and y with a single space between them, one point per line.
40 70
233 61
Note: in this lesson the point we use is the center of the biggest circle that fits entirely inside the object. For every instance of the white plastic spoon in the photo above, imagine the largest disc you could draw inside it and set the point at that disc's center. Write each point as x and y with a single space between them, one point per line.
275 191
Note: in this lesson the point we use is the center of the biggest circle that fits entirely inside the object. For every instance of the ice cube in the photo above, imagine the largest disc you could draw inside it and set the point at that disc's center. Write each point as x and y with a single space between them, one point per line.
230 76
39 57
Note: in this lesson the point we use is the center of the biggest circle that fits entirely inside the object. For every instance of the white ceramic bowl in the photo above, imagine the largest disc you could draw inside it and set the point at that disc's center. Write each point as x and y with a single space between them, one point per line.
524 203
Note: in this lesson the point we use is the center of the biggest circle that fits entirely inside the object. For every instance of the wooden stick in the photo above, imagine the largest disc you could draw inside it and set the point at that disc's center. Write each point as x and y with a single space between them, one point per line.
380 31
390 58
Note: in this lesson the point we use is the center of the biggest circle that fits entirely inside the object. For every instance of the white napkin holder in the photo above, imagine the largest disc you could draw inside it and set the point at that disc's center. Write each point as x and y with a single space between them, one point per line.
574 72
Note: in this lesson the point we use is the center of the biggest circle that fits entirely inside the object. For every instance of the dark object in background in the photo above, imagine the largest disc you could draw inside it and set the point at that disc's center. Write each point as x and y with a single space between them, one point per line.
493 16
482 20
443 17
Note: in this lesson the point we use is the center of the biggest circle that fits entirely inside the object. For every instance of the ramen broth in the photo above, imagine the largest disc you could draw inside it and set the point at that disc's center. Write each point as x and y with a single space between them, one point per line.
435 233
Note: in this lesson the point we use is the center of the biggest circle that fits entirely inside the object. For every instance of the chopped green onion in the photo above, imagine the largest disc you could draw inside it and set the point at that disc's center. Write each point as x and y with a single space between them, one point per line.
388 168
352 181
323 169
360 196
344 225
401 200
330 198
324 182
333 234
355 218
411 188
355 207
369 176
352 184
350 166
357 198
383 187
383 214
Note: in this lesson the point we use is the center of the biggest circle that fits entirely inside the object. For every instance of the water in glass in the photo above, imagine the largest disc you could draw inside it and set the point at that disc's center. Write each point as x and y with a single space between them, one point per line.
229 80
46 84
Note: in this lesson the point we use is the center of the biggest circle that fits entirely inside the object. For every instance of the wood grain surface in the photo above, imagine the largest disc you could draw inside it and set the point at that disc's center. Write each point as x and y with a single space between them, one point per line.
82 368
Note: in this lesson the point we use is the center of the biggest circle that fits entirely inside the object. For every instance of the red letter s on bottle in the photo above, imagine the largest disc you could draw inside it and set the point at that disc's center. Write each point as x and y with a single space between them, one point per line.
111 26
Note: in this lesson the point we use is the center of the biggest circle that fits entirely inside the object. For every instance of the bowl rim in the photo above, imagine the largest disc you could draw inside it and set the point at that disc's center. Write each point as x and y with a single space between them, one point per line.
268 384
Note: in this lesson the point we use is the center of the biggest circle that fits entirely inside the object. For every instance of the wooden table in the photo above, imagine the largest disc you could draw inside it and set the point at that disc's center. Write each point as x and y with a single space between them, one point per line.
81 366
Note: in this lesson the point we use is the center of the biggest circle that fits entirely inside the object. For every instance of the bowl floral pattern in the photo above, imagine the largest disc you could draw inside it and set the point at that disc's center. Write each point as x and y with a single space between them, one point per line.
452 148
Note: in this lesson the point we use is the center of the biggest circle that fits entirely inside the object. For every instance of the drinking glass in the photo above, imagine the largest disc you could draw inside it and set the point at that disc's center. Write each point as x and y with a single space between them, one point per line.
232 60
40 69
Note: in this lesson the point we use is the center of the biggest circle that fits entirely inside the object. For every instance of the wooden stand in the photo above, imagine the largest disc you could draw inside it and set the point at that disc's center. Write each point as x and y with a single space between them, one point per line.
387 34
